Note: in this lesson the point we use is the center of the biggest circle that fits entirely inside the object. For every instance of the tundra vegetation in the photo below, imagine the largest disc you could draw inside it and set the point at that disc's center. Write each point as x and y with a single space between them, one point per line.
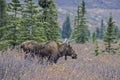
34 29
87 66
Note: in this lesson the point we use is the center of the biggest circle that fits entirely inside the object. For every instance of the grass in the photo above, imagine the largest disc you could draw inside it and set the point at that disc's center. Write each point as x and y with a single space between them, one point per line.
86 67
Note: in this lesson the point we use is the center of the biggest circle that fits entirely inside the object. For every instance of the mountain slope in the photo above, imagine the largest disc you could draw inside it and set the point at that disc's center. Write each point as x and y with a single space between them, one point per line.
104 4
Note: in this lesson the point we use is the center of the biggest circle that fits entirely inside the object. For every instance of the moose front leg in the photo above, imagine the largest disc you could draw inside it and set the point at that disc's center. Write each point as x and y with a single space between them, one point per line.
65 57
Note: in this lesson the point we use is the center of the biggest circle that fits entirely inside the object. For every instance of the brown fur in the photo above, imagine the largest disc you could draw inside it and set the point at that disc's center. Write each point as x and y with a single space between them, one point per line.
55 54
51 50
66 50
59 50
31 47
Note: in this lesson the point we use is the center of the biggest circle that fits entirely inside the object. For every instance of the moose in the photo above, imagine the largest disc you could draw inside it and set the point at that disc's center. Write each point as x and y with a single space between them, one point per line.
51 50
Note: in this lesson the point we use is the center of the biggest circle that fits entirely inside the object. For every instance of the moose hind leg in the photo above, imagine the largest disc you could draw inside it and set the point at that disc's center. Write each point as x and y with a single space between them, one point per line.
54 59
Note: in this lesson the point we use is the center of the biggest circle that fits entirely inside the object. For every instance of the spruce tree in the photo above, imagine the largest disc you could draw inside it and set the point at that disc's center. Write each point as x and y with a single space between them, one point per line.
97 33
102 30
11 34
89 34
44 4
30 10
32 27
80 33
50 17
3 15
94 37
117 32
96 50
66 28
110 36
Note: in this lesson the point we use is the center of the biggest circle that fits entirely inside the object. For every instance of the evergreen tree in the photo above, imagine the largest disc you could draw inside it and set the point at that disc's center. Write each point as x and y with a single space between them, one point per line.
50 17
102 30
89 34
96 51
31 24
80 33
110 36
97 33
66 29
11 34
44 4
2 16
94 37
117 32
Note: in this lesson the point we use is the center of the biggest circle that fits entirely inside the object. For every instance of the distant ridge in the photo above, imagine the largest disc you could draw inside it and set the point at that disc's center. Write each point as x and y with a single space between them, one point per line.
104 4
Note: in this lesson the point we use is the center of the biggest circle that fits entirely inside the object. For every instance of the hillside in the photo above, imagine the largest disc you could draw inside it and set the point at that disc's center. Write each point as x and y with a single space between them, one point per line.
96 10
104 4
94 16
